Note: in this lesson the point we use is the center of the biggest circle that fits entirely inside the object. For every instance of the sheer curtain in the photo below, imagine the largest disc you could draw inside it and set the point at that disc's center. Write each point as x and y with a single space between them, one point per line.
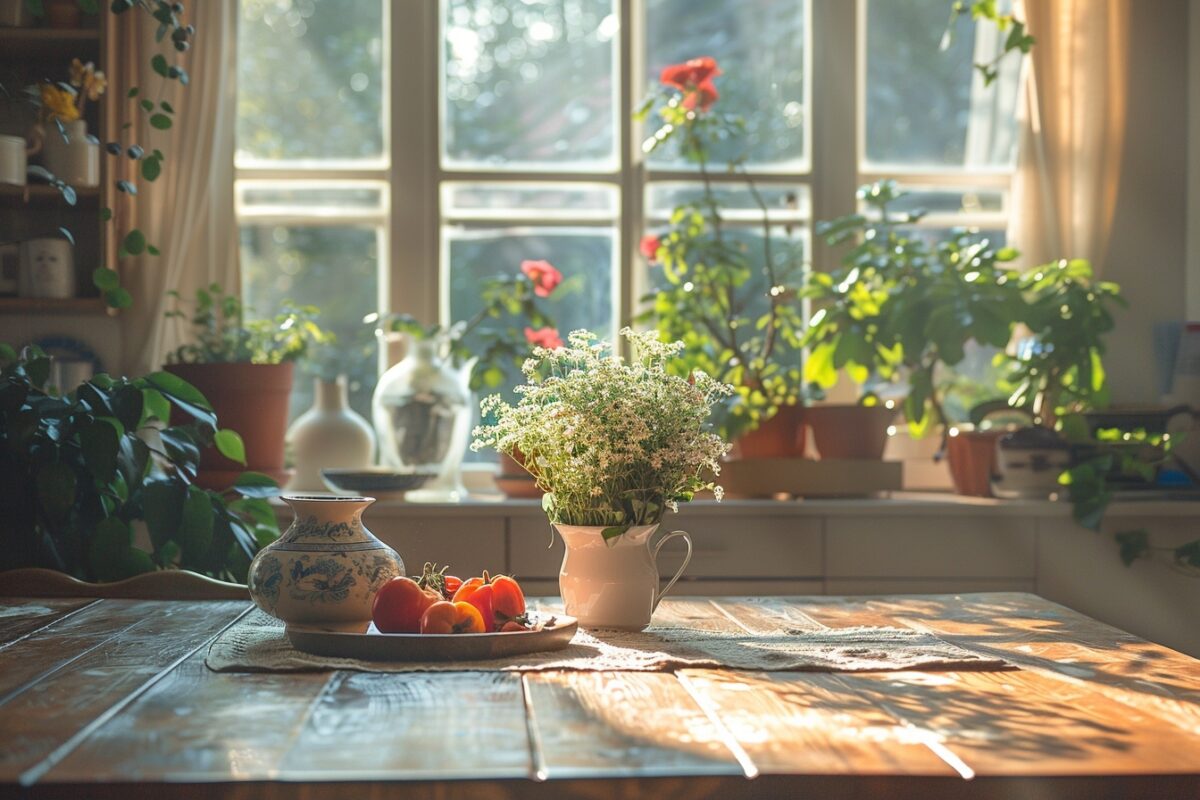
188 212
1072 117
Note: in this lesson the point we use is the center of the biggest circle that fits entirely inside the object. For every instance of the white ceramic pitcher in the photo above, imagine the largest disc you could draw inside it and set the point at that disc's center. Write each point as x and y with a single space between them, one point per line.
613 584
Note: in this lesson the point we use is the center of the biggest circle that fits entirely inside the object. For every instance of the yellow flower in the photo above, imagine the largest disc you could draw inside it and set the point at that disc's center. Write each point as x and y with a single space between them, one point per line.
57 102
95 85
79 71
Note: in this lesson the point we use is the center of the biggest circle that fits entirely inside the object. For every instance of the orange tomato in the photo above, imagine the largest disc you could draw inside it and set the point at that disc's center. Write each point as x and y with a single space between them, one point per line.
507 598
448 617
399 605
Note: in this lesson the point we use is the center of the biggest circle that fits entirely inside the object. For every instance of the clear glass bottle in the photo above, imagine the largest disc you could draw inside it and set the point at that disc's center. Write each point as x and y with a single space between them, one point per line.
422 409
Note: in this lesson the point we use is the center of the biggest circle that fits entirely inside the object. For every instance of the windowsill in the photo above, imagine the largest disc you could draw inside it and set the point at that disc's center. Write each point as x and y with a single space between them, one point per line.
907 504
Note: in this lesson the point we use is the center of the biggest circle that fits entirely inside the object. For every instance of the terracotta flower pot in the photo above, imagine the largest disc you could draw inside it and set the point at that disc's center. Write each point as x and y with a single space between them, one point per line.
251 399
780 436
972 458
513 480
850 430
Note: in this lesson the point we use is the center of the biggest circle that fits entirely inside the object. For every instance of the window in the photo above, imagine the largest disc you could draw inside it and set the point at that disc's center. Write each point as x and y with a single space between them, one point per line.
391 155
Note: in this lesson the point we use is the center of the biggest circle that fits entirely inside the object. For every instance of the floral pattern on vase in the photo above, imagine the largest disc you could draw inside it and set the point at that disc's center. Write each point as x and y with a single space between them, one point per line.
325 568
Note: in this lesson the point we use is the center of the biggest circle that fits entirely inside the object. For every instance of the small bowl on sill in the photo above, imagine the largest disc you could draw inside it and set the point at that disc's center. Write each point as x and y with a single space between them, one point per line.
383 483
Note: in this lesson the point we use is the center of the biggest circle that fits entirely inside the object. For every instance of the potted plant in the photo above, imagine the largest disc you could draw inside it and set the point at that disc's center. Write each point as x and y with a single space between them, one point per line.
614 444
729 303
1057 370
245 369
86 471
902 309
423 407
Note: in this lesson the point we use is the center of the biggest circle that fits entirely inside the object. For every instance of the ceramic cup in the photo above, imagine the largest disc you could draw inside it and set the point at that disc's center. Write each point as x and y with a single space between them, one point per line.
13 162
47 269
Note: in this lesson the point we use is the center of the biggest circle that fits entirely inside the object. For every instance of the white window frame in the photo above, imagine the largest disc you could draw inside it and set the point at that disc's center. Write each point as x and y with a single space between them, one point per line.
413 252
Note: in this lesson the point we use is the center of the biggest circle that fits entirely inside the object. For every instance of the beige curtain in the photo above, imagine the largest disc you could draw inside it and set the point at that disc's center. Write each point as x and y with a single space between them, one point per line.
1072 115
188 212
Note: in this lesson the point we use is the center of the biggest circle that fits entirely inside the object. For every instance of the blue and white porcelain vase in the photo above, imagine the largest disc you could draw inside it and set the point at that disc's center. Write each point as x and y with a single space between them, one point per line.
326 567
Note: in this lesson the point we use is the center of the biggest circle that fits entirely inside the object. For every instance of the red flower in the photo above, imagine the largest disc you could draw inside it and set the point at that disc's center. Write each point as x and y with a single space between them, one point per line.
690 74
543 275
695 79
703 95
543 337
649 247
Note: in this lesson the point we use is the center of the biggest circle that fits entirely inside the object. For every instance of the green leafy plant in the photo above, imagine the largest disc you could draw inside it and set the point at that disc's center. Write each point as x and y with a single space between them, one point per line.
735 317
1059 368
86 470
903 309
504 331
1110 457
613 443
1017 40
224 335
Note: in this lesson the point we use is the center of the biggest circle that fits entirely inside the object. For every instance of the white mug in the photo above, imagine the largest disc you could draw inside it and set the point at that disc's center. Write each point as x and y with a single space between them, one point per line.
13 154
47 269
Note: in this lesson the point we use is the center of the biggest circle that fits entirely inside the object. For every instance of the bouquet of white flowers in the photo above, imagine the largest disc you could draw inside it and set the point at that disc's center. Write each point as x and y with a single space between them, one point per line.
612 443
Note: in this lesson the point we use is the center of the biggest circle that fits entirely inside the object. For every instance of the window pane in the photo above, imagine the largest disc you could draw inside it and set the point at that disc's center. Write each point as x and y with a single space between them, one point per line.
583 300
929 108
762 48
310 80
951 201
325 199
530 83
334 268
784 203
528 200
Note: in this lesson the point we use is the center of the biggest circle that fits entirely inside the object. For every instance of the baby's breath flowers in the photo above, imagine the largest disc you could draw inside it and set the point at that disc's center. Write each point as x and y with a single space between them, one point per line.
612 443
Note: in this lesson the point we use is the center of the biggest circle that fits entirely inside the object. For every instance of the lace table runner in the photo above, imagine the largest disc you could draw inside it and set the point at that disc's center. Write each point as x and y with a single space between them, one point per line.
257 643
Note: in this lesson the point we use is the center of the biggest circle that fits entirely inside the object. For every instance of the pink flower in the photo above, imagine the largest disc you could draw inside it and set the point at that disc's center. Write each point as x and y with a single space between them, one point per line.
649 247
695 79
543 337
544 277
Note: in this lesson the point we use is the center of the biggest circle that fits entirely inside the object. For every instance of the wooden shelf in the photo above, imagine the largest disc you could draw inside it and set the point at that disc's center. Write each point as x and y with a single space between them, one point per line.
23 42
40 305
42 192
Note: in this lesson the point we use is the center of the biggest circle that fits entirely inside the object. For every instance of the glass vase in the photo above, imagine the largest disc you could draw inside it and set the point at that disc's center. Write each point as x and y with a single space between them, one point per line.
423 408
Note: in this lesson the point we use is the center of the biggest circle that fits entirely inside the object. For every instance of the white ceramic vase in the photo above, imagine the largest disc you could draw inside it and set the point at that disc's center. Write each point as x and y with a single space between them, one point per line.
75 159
326 567
330 435
613 584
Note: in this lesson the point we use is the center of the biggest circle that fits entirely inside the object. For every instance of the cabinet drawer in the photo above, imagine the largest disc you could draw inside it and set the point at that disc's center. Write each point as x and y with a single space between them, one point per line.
467 545
924 547
769 547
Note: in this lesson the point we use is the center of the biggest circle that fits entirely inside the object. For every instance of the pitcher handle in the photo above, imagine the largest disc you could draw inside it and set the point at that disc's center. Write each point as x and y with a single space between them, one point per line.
687 558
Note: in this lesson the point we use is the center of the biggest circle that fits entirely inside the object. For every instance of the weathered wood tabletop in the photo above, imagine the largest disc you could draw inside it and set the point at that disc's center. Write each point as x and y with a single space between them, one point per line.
111 698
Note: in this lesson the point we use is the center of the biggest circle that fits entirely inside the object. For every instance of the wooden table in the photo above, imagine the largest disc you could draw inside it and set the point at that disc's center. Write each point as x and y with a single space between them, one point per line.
111 698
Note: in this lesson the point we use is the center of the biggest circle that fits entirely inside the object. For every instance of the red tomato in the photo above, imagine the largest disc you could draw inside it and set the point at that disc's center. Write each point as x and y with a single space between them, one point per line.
399 604
508 599
450 585
513 627
446 617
